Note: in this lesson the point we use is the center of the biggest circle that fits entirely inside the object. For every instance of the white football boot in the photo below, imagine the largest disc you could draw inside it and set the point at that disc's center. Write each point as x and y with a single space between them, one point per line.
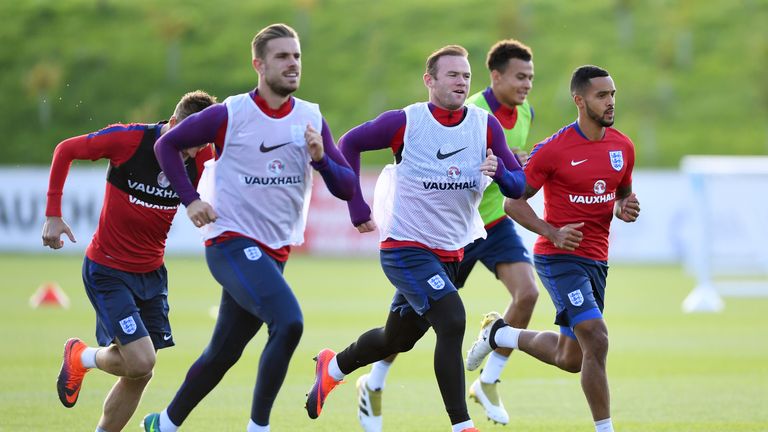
481 348
487 395
368 405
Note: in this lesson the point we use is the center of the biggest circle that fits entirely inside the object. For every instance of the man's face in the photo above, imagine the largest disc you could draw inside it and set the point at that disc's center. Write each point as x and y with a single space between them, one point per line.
448 90
281 66
599 100
511 87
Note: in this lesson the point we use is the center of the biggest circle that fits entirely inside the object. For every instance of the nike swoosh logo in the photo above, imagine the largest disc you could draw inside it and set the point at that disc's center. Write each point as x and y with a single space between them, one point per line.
442 156
154 426
167 337
578 163
265 149
70 392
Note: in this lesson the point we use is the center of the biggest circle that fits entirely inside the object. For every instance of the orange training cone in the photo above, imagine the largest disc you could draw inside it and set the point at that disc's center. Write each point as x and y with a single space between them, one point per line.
49 294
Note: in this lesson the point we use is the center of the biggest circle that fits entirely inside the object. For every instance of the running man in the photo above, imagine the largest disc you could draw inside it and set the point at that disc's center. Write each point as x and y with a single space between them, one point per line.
510 63
426 212
586 172
252 207
123 270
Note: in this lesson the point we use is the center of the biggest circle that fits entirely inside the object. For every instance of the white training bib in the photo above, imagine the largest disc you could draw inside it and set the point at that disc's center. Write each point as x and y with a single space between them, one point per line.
260 186
432 195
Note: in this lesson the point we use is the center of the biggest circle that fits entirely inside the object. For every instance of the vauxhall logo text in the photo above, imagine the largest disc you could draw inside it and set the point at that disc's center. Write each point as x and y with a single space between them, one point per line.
449 185
134 200
268 181
594 199
152 190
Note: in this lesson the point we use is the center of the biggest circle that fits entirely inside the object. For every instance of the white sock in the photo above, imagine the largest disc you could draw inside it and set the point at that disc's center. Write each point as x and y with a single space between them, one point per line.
253 427
378 375
98 429
458 427
493 367
334 371
506 337
166 425
88 357
605 425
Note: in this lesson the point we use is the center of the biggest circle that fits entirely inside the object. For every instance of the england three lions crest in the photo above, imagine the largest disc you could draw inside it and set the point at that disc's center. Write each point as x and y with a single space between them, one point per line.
617 159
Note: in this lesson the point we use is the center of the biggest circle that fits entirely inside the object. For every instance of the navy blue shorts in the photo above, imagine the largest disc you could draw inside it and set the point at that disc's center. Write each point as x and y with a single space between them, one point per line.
253 278
418 276
128 305
576 286
502 245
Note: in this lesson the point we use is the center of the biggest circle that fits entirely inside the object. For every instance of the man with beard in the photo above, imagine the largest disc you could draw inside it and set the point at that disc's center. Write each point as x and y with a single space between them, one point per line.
586 172
426 211
251 209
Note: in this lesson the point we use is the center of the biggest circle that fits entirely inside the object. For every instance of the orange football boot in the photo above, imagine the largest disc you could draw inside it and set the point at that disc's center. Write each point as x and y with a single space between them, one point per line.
323 385
72 372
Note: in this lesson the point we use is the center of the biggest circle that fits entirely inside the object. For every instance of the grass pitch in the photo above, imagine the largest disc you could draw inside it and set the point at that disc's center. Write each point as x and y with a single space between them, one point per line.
668 371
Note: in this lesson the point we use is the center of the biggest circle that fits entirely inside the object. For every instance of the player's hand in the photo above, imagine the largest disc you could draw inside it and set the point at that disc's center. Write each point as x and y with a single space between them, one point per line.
521 155
568 237
201 213
53 228
365 227
490 164
628 209
314 143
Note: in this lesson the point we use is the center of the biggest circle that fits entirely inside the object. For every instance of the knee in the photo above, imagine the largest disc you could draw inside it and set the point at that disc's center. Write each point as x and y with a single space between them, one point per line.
568 363
290 330
144 379
141 367
597 348
402 342
527 297
401 345
595 343
451 324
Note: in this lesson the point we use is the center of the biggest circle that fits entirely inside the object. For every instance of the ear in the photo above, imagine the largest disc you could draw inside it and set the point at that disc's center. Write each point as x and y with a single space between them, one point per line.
257 65
172 121
578 100
428 80
495 76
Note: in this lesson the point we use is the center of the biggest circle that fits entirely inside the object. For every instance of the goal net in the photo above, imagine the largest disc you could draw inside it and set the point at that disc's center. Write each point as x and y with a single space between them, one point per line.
727 249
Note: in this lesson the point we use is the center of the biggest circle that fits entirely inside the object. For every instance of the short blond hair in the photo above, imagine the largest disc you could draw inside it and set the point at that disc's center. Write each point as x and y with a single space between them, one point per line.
274 31
191 103
448 50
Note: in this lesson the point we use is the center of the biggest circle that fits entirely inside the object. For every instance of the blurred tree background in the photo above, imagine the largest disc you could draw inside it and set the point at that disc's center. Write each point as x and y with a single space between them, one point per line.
691 75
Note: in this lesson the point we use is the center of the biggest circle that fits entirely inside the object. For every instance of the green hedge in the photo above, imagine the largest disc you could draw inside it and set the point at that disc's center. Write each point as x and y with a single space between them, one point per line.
690 76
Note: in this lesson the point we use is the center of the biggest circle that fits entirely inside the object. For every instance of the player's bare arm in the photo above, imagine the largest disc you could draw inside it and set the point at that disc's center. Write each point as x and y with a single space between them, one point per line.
314 143
529 192
53 228
567 237
201 213
522 212
627 206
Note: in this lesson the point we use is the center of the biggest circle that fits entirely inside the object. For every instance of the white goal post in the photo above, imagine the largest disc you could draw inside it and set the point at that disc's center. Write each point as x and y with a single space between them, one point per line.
727 249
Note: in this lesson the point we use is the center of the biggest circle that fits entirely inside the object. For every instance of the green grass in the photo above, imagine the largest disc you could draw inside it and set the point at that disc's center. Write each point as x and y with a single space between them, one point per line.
668 371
